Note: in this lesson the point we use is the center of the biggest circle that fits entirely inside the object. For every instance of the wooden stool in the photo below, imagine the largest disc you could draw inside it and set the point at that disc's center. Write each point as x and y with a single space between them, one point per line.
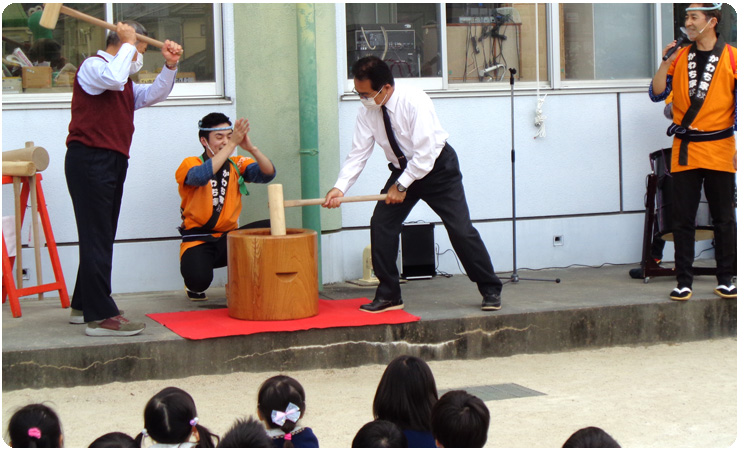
272 277
32 185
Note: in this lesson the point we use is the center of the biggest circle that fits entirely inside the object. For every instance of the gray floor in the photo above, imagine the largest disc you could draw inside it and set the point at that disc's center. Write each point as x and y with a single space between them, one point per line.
589 308
44 324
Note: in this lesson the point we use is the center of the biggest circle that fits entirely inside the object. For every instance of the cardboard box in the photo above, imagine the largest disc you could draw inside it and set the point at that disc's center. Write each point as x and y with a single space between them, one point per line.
12 85
64 79
37 77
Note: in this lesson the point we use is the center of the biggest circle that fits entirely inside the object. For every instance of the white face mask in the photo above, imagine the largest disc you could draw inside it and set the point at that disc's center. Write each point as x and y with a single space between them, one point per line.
136 64
369 103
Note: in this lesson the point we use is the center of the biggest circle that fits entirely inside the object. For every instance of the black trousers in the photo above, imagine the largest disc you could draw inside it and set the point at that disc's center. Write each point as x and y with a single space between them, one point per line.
95 179
720 193
442 190
198 263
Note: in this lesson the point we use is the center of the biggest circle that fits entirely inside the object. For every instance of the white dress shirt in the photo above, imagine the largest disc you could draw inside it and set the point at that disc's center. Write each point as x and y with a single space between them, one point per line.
97 75
418 132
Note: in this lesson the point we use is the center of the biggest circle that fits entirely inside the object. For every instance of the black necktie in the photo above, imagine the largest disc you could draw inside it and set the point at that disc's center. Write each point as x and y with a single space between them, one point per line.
392 139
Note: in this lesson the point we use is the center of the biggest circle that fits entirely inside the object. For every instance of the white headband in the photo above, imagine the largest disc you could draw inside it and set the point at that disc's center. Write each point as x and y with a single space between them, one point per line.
215 129
710 8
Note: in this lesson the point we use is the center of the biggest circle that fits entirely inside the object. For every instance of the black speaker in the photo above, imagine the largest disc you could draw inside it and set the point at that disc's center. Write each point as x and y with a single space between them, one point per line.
418 251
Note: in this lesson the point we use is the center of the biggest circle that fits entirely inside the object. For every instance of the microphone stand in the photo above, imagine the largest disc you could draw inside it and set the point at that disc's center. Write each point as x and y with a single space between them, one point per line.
514 278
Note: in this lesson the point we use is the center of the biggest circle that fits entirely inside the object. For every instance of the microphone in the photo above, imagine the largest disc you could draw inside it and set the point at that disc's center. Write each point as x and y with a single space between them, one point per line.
683 39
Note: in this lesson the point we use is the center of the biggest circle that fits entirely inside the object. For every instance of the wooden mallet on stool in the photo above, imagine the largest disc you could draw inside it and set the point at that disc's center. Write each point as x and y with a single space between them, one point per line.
277 205
51 13
25 162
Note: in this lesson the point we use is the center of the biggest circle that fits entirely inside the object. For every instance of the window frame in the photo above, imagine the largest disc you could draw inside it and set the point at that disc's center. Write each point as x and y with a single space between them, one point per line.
188 93
441 86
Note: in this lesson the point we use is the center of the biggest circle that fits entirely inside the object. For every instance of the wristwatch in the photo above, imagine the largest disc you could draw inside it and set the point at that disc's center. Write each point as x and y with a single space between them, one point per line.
400 187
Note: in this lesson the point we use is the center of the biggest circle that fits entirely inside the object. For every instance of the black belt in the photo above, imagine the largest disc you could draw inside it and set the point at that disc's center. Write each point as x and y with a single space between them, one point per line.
687 135
445 147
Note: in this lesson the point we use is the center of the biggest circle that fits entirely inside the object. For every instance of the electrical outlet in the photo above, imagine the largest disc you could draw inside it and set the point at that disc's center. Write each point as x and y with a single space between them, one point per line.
26 275
558 241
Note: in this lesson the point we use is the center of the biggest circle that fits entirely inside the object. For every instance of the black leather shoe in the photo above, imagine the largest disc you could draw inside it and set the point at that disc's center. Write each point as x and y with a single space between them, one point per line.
379 306
491 302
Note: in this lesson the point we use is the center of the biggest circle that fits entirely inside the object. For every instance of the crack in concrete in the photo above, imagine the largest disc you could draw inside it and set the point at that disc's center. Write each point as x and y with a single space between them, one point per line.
437 346
493 332
79 369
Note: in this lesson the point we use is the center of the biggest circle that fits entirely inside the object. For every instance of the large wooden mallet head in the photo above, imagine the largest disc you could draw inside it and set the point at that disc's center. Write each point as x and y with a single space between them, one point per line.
50 16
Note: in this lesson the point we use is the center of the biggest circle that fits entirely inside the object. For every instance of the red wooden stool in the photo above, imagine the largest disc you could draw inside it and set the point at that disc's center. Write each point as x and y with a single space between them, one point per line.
9 286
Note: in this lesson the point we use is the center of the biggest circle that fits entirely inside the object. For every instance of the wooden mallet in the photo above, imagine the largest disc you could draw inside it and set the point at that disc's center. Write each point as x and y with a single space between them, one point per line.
277 205
51 13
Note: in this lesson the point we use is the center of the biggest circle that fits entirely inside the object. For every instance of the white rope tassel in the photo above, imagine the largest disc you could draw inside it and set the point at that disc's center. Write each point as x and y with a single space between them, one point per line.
540 119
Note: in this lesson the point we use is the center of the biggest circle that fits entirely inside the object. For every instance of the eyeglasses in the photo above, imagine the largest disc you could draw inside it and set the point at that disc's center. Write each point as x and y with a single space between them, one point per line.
365 96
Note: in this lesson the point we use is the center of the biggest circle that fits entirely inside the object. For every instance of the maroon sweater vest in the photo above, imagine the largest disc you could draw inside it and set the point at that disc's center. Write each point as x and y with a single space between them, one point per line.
105 120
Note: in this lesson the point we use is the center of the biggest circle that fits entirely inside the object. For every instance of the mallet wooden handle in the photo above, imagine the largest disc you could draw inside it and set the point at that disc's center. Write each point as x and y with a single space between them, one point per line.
102 23
320 201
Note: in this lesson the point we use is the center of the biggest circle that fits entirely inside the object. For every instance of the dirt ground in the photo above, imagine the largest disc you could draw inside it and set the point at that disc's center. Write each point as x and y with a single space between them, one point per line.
681 395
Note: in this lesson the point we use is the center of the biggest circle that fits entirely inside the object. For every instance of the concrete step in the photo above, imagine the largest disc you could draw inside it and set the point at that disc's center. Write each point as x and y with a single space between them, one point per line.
590 308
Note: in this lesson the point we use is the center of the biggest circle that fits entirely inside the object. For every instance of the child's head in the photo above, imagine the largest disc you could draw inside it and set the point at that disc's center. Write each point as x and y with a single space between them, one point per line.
460 419
380 434
406 394
591 437
246 433
35 426
281 404
114 440
171 418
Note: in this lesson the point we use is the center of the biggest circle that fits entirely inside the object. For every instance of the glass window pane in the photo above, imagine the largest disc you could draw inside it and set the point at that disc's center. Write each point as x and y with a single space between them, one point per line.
189 24
56 53
60 52
405 35
592 49
486 39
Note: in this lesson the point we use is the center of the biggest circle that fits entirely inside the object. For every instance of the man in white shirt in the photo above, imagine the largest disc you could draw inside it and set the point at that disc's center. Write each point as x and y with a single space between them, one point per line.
102 123
423 166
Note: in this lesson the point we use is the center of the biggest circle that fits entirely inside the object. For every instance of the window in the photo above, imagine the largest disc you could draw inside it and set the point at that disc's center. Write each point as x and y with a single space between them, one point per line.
484 40
607 41
56 54
405 35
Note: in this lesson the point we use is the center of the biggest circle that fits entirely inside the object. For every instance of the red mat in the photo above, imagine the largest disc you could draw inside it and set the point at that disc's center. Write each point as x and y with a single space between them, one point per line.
214 323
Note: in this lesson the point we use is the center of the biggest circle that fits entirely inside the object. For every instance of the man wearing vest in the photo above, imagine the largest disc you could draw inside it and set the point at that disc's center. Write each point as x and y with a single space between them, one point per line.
102 123
703 80
211 187
402 121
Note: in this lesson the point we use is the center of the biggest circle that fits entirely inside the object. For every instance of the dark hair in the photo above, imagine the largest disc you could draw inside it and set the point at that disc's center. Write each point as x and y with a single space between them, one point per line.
35 426
591 437
406 394
113 38
246 433
114 440
275 394
460 419
374 69
380 434
168 419
212 120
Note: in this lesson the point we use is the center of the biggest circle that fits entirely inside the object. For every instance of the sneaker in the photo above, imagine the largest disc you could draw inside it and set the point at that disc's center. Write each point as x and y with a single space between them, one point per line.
491 302
76 316
679 293
726 291
379 306
114 326
195 296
